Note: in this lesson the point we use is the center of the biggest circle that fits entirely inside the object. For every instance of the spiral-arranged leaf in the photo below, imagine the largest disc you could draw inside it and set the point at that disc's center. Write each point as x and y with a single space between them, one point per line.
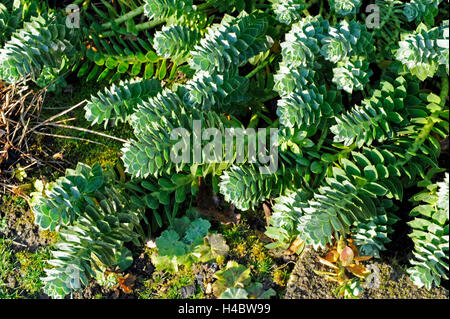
163 9
94 218
345 7
423 51
431 236
118 102
421 11
288 11
42 50
352 75
176 42
372 235
231 43
381 116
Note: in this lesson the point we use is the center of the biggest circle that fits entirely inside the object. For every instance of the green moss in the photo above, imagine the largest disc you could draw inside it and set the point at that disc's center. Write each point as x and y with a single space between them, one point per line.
166 286
75 150
31 269
247 249
20 272
6 270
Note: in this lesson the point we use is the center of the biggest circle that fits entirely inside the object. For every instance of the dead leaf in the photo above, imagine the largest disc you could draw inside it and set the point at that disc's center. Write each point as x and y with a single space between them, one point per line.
267 212
127 283
58 156
327 263
358 270
332 256
296 246
346 256
362 258
353 247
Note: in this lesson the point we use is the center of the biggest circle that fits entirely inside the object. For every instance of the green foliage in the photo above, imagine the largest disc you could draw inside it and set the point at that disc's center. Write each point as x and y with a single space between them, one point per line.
115 58
231 43
371 236
350 194
351 47
234 282
227 5
94 218
176 42
421 11
379 117
14 12
118 102
357 125
284 219
246 186
222 93
163 196
304 97
423 51
163 9
151 153
42 50
345 7
430 235
232 276
352 75
288 11
9 21
69 197
185 242
23 269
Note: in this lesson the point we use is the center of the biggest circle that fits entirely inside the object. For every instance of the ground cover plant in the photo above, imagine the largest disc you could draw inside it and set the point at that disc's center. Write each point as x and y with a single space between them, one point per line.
206 149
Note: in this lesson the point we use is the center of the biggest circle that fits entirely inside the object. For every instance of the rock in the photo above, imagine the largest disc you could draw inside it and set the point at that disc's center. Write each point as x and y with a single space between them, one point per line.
199 281
151 244
188 291
208 290
11 282
373 281
214 267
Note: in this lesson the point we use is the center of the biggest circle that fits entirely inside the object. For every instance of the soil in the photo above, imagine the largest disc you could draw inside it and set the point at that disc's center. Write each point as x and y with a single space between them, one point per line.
21 229
304 283
390 281
387 280
141 269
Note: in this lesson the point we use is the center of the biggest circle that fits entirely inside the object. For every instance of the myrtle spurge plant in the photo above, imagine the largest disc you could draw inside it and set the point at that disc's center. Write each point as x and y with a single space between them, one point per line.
430 235
340 112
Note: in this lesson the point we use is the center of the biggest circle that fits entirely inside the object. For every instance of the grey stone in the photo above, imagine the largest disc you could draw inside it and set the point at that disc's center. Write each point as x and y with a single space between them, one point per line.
188 291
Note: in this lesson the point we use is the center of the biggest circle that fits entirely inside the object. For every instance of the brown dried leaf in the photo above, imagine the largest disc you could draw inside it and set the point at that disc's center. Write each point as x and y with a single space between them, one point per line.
127 283
362 258
267 212
327 263
358 270
296 246
332 256
346 256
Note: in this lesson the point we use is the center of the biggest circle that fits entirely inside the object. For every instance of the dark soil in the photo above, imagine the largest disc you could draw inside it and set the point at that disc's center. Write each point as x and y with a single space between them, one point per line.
20 226
141 269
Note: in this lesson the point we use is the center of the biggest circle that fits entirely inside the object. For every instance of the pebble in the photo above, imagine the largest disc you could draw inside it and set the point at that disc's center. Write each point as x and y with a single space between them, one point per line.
208 290
188 291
